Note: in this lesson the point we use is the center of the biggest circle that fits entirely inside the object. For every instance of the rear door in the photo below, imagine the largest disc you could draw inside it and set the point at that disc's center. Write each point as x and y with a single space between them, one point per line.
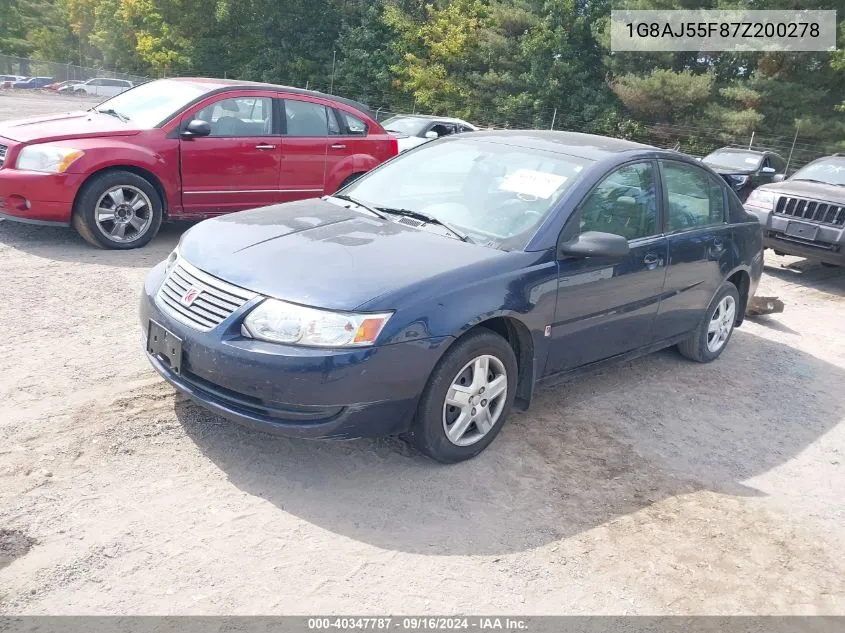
237 166
350 139
700 245
305 144
607 306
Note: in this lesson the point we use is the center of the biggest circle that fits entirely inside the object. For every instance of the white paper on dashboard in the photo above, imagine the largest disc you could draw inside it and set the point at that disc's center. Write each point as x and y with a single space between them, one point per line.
528 182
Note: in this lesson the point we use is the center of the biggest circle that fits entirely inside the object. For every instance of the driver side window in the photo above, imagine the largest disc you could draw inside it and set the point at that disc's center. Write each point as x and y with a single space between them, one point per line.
624 203
239 117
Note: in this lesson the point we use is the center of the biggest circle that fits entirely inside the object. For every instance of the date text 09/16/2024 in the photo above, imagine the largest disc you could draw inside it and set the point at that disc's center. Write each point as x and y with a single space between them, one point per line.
422 623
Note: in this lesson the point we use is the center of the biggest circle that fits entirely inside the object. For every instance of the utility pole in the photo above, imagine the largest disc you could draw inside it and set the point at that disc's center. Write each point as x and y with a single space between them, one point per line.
792 149
331 86
554 116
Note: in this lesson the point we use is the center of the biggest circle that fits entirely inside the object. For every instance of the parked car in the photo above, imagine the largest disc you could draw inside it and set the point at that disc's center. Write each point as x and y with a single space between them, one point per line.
414 130
805 214
63 84
430 296
32 82
182 149
746 169
103 87
7 81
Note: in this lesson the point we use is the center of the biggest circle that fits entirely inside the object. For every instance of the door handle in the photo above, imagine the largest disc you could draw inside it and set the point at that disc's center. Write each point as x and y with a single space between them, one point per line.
338 146
651 260
263 146
718 244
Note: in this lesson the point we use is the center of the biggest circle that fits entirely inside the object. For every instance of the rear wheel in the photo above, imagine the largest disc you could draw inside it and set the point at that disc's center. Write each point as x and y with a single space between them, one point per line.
118 210
712 335
350 179
467 399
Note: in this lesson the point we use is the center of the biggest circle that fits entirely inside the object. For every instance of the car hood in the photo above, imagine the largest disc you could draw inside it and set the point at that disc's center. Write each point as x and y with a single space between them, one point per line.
59 127
320 254
806 189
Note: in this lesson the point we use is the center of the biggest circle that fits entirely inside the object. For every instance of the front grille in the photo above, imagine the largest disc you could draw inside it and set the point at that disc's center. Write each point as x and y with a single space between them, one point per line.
812 210
3 150
215 301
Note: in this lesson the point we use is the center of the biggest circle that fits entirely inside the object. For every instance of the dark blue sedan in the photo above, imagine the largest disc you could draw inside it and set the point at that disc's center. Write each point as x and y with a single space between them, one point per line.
430 296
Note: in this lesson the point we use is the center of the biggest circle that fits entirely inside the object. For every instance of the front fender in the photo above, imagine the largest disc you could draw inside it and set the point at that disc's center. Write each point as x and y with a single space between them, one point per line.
107 153
520 288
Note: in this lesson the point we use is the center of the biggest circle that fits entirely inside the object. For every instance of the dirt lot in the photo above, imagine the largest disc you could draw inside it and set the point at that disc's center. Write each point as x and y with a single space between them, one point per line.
655 486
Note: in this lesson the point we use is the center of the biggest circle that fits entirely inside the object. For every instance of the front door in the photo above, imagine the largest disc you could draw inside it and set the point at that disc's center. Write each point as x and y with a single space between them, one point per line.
700 245
237 166
607 306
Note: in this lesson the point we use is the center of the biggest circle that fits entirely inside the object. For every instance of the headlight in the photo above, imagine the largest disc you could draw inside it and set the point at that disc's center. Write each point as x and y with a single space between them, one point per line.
282 322
52 159
761 198
739 181
171 260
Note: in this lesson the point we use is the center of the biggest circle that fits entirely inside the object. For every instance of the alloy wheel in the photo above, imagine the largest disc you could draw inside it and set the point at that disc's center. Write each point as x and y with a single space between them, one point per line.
123 213
475 400
721 324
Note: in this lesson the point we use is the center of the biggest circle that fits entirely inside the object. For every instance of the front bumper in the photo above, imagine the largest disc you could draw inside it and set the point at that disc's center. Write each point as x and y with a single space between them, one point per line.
827 244
37 198
295 391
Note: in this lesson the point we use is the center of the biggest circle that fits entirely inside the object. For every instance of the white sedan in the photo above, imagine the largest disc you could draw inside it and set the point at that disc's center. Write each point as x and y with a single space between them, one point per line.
415 129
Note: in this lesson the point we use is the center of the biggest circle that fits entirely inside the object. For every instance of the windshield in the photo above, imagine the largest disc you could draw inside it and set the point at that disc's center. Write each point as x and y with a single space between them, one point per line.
829 170
745 161
410 125
151 103
496 194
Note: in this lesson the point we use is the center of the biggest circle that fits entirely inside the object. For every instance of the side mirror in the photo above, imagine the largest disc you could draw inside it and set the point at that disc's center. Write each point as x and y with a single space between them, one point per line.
195 128
432 134
778 177
768 170
595 244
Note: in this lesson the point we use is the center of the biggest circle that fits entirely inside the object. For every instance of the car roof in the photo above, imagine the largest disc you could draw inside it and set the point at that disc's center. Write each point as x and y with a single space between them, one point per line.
428 117
743 150
739 150
221 85
589 146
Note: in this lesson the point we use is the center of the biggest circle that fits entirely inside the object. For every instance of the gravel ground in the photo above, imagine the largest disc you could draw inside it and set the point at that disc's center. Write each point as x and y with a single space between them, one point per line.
656 486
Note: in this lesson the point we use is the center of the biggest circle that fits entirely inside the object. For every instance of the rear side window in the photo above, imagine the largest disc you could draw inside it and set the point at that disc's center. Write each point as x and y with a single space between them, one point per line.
354 125
694 197
305 118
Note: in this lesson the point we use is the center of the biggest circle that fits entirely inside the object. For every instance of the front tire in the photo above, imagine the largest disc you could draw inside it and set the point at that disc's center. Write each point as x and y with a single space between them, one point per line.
467 399
713 333
118 210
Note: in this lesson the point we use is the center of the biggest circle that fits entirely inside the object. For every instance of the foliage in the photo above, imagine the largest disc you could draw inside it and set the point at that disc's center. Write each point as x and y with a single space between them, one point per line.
512 63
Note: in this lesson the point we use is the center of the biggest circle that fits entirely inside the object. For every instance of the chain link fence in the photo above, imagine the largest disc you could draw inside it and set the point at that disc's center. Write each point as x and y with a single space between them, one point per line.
26 67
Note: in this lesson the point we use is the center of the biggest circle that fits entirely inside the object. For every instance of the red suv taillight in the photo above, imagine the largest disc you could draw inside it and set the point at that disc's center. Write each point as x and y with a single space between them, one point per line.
394 146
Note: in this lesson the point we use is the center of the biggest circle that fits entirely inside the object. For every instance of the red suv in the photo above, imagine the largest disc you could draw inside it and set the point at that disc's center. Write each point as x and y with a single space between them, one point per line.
182 149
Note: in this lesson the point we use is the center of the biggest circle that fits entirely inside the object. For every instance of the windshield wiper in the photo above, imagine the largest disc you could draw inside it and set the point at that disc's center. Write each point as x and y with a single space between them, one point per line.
114 113
343 196
419 215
